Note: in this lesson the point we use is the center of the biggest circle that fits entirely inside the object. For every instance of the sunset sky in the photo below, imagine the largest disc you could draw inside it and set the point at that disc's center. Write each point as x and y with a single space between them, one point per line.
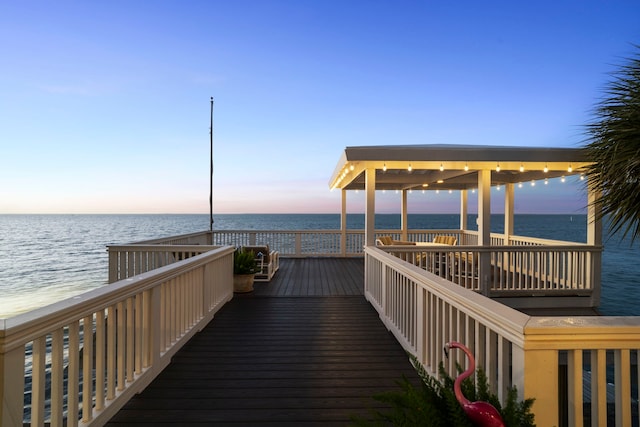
104 106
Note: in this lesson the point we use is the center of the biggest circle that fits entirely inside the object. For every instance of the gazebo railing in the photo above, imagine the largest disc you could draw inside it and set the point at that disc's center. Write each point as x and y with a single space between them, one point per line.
511 271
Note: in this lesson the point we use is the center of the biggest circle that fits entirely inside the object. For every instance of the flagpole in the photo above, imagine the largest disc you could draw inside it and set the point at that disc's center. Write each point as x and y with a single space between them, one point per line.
211 170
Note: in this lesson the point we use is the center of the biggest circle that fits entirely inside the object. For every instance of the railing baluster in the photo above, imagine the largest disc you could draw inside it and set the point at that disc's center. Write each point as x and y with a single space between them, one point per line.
57 377
87 368
622 368
38 357
73 375
100 360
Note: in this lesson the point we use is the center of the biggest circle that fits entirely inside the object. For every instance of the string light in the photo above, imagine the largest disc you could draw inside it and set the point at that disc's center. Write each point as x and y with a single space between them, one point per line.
546 169
498 187
521 167
351 167
562 179
533 183
409 168
441 167
546 181
466 167
384 167
450 191
581 177
498 167
519 185
569 169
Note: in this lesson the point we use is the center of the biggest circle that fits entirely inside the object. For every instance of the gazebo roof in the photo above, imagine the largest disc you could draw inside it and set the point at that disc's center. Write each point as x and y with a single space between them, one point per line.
455 167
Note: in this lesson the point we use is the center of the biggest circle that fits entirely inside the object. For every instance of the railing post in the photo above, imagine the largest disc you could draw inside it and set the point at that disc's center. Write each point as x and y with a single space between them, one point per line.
484 264
11 379
113 265
541 377
298 251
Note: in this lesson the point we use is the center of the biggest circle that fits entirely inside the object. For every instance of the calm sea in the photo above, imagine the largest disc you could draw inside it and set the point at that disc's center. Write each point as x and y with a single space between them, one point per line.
46 258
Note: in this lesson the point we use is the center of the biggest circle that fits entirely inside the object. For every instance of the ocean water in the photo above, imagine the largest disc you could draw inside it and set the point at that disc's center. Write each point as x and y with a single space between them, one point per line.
46 258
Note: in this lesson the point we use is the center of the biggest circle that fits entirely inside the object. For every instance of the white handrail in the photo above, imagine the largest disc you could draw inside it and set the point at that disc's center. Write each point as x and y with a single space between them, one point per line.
136 325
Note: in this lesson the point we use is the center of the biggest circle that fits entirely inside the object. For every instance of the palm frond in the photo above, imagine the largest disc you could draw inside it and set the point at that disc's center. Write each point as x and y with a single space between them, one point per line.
614 150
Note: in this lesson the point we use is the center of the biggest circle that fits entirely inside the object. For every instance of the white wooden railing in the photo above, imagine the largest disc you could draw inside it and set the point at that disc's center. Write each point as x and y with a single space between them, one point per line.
516 274
130 260
524 269
575 367
135 326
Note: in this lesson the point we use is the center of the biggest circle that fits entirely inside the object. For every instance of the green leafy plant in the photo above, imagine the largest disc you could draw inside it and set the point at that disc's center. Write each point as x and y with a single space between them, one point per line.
433 403
244 262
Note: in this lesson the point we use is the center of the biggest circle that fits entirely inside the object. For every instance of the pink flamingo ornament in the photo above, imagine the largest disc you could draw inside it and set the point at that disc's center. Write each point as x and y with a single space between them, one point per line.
481 414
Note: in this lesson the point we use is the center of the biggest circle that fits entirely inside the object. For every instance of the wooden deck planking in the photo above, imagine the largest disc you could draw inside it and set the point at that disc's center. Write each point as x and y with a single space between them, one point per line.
305 349
315 277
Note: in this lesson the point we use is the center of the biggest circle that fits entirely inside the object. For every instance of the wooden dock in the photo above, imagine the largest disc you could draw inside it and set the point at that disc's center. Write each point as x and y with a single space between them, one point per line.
305 349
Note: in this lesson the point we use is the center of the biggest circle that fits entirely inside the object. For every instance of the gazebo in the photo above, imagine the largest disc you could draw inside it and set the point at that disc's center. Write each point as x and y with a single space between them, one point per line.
477 168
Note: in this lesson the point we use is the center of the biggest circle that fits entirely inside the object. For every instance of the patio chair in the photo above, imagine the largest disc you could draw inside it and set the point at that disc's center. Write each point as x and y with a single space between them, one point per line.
445 240
268 261
388 240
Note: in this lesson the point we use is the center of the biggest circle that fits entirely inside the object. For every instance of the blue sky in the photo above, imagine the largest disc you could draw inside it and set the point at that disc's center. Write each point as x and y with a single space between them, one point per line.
104 106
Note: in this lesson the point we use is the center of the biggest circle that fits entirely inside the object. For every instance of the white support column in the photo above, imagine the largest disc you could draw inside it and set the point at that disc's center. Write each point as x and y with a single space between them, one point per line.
464 209
403 213
370 207
594 223
484 207
484 228
343 224
508 212
594 238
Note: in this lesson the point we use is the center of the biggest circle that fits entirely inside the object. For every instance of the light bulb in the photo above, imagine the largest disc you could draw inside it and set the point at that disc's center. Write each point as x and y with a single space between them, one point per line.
498 167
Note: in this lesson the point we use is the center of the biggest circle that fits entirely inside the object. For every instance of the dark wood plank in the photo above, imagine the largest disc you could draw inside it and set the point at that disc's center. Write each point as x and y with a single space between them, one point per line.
314 277
274 361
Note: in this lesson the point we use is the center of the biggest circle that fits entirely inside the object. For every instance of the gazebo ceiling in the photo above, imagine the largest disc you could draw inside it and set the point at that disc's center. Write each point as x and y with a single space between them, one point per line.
452 167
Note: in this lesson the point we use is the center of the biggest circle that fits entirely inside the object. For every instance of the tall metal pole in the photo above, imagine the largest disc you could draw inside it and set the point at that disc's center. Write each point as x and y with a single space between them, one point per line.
211 170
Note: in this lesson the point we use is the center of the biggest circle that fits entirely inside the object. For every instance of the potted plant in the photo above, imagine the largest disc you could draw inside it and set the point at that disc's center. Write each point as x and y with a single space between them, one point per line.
244 270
